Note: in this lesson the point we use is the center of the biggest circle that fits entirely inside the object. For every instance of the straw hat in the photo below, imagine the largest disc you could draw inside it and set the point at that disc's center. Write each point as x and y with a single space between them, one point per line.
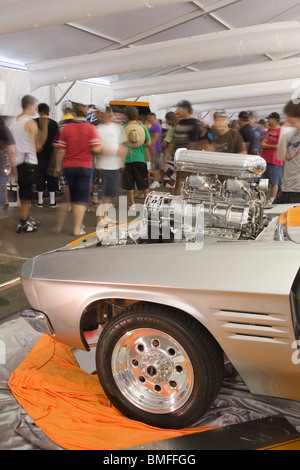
135 135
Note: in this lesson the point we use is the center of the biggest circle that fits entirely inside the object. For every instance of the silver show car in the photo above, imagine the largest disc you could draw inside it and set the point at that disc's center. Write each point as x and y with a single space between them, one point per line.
203 278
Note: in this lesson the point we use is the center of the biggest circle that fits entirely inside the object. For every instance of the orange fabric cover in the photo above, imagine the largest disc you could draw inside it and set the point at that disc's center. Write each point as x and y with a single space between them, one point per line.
69 405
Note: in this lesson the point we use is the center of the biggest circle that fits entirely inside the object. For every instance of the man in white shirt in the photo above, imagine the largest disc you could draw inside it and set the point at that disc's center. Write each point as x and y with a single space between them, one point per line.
109 162
289 152
29 140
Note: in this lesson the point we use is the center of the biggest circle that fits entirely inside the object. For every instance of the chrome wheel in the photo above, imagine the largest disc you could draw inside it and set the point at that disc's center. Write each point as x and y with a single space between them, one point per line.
152 370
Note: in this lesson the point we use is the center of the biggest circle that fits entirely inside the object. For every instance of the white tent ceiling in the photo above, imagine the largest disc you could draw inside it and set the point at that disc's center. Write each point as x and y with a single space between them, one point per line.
74 40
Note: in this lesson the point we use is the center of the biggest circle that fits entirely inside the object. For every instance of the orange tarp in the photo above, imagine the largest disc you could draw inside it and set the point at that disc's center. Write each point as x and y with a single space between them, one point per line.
69 405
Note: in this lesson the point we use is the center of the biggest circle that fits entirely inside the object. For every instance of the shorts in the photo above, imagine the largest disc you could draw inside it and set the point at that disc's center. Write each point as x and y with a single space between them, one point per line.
109 183
79 179
287 198
43 176
135 173
3 180
27 181
155 160
170 175
273 174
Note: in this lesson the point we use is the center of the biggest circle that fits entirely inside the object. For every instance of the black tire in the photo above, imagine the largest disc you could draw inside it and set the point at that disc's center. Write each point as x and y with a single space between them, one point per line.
159 366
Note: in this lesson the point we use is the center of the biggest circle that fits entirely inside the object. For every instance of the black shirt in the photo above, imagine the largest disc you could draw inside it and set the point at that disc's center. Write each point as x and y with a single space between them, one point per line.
248 136
46 153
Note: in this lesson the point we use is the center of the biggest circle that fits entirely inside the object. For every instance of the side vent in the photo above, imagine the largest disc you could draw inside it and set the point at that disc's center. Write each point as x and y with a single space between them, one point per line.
261 327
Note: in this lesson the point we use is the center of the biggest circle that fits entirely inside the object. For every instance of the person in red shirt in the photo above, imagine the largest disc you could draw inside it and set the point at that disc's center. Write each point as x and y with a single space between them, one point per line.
269 153
77 143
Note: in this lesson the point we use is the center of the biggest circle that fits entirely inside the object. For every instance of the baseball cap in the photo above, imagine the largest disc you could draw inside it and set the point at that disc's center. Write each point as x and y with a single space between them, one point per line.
244 115
66 106
274 116
220 113
184 104
100 107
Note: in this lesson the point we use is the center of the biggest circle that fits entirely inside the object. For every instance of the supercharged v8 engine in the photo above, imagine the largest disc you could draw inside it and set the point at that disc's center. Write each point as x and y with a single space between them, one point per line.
222 196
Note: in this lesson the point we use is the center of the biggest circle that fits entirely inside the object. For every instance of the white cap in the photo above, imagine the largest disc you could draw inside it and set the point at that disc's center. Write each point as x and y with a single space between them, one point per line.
100 107
67 105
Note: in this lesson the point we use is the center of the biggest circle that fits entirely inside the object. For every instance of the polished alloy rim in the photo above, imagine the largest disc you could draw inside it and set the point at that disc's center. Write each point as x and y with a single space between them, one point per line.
152 370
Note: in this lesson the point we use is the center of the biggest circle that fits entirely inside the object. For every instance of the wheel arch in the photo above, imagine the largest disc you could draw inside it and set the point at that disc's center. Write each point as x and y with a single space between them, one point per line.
103 310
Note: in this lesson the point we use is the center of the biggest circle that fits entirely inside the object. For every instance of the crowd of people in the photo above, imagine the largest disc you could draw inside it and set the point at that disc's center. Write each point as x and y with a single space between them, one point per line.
88 162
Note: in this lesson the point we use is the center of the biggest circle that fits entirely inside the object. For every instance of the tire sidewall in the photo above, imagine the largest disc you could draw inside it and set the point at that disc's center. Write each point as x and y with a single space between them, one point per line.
188 339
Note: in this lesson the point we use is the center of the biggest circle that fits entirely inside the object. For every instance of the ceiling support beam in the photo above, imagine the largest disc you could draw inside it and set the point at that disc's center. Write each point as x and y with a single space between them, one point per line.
242 42
255 90
214 78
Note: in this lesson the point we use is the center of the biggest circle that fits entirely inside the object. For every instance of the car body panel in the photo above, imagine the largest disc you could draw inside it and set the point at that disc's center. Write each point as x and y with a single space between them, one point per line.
238 290
217 252
174 265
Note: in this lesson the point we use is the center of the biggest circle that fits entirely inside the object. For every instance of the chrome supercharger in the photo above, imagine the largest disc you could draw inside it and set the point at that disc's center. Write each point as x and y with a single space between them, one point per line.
223 196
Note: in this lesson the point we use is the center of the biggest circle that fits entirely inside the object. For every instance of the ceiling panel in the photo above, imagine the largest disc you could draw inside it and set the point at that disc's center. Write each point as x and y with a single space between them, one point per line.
201 25
252 12
48 43
131 23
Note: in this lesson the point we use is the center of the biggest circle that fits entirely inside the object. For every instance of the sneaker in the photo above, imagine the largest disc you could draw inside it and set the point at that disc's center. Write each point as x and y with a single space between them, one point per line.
33 221
154 185
53 206
40 205
28 227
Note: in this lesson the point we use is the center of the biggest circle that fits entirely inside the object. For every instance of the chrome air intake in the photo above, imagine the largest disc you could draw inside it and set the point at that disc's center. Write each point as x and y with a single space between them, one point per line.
226 186
223 164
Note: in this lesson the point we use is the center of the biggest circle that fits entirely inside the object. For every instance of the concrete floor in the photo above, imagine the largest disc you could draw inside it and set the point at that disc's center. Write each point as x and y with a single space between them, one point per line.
235 402
20 247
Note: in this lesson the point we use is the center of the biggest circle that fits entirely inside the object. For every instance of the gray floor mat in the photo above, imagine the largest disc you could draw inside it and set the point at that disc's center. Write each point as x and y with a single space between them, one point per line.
235 404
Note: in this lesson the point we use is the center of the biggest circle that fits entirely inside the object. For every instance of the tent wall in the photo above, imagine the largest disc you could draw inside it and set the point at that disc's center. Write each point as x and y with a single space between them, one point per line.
14 84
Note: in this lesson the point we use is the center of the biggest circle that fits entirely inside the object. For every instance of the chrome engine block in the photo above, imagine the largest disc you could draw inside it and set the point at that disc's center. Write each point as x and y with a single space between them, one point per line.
222 196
